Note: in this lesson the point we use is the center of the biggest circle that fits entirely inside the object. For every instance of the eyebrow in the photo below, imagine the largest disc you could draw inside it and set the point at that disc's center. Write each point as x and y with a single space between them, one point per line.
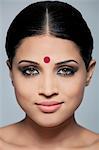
67 61
59 63
28 61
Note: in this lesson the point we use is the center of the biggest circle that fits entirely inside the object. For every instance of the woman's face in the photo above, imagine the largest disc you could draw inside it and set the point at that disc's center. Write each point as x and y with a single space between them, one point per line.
49 92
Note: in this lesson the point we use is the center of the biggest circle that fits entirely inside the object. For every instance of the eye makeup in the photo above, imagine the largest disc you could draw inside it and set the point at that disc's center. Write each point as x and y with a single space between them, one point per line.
29 70
67 70
63 68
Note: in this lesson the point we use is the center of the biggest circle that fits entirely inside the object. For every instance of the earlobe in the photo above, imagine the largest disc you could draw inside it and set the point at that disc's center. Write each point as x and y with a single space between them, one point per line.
90 71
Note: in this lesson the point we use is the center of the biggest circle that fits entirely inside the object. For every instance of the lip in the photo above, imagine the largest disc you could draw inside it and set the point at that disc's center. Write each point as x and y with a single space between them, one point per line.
49 106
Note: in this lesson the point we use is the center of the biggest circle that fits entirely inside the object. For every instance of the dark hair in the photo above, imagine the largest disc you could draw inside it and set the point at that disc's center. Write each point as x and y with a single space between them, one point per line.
59 19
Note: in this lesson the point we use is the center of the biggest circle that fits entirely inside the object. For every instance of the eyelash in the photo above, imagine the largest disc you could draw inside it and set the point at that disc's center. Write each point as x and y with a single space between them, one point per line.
32 71
67 71
29 71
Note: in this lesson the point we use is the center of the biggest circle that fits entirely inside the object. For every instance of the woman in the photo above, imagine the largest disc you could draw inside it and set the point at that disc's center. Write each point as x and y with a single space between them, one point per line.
49 48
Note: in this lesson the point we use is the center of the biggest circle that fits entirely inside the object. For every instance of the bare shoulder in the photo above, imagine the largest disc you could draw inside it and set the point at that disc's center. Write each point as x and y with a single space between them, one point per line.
10 132
7 131
5 135
97 141
95 145
9 137
92 139
88 140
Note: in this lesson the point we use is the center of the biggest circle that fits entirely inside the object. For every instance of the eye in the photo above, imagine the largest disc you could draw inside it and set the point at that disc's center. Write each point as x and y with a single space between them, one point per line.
67 71
29 71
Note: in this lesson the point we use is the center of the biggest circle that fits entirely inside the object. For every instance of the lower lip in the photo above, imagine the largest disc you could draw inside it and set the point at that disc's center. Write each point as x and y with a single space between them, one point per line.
49 109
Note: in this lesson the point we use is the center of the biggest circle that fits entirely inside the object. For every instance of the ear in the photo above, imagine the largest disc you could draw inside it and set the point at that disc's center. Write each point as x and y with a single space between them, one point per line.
90 71
8 64
10 69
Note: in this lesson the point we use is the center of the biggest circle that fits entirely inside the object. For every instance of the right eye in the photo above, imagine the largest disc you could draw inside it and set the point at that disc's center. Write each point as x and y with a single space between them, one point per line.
29 71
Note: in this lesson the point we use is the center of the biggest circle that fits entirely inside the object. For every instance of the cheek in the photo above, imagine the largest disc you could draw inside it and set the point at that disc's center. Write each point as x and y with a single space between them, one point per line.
73 89
24 91
25 95
72 93
22 96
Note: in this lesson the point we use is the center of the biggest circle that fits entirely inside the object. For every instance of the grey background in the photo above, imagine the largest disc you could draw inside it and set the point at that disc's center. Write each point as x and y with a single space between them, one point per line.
10 112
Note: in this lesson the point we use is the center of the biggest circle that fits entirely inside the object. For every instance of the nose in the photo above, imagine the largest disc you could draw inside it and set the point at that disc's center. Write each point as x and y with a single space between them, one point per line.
48 87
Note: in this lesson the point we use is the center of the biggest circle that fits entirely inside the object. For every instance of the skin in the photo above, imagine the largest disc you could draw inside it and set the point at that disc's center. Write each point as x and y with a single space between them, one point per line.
57 130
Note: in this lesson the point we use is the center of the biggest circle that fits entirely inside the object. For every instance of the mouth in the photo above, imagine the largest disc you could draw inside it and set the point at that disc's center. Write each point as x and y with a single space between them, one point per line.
49 106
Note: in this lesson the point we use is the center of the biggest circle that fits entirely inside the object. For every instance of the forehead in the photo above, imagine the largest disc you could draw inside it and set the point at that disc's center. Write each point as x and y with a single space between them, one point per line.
41 46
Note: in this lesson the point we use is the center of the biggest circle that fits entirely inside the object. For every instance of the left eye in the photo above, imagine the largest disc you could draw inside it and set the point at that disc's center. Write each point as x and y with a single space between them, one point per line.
66 71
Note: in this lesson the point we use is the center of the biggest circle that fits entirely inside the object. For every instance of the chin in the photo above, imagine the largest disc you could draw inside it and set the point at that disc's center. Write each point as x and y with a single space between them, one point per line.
49 122
49 125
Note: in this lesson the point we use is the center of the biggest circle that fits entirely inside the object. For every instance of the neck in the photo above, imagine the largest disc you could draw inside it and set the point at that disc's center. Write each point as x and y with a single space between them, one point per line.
53 135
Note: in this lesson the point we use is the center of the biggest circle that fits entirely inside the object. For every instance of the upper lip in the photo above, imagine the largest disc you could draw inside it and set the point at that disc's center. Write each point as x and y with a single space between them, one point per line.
48 103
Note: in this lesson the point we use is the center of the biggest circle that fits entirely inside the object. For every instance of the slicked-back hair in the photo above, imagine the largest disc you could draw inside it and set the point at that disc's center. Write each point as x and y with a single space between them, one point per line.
55 18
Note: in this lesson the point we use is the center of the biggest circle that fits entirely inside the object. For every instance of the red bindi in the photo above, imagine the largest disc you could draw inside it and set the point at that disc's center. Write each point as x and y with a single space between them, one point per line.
46 59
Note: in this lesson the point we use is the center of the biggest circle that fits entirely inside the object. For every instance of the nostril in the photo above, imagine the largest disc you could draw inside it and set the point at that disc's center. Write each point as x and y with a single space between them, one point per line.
48 95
